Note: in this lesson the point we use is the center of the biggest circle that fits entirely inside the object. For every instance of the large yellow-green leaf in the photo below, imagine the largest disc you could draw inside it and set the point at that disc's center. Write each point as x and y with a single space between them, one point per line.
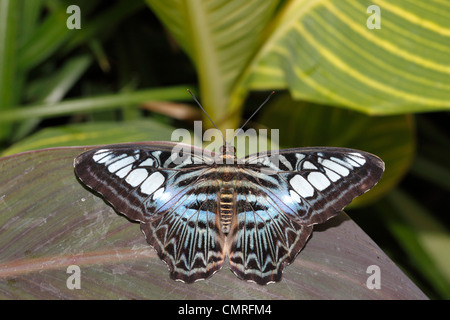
220 37
49 222
389 137
323 51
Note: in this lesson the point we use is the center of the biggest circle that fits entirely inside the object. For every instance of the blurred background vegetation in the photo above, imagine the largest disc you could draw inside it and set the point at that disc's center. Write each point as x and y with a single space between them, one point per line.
123 77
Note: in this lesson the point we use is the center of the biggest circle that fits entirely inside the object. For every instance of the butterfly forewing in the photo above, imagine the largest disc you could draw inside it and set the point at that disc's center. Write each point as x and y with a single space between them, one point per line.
139 181
315 184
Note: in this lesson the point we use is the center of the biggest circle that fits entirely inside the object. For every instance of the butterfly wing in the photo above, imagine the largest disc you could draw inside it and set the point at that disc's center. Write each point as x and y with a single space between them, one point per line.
187 236
167 191
139 181
263 239
282 195
311 185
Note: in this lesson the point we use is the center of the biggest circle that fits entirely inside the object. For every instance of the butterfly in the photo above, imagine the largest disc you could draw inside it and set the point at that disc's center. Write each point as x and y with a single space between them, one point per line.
198 209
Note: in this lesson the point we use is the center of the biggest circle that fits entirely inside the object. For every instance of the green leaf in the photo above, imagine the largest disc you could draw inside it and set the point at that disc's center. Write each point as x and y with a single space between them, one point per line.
302 124
48 36
323 52
104 23
220 37
423 238
94 134
52 89
30 14
48 222
432 172
9 14
52 33
91 104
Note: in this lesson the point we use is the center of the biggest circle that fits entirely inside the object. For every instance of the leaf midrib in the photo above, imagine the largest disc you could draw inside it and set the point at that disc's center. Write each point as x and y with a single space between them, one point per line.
206 59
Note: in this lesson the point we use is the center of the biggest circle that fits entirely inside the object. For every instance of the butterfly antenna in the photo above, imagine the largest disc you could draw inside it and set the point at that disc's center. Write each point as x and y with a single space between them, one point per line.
195 99
265 101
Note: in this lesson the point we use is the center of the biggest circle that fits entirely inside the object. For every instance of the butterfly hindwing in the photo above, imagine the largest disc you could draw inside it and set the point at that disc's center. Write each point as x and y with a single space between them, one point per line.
187 236
263 239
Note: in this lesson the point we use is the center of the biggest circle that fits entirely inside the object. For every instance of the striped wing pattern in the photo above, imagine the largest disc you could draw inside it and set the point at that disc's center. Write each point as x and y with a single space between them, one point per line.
168 196
184 201
263 238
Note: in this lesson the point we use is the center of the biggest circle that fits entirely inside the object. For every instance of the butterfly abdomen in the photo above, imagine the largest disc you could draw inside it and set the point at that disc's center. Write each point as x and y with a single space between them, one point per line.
226 208
227 197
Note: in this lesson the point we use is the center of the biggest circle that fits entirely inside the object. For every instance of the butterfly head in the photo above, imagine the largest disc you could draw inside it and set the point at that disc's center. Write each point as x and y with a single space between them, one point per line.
227 151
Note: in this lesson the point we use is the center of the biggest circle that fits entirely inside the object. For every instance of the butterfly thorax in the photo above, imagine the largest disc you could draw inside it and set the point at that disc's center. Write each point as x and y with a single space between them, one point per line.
228 154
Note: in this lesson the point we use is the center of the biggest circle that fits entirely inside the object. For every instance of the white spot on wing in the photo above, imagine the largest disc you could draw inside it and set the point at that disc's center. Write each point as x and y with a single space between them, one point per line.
156 153
302 186
335 167
342 162
319 180
114 159
309 165
136 177
153 182
104 157
295 197
123 172
188 160
158 193
120 164
352 162
100 154
357 157
333 176
147 163
285 162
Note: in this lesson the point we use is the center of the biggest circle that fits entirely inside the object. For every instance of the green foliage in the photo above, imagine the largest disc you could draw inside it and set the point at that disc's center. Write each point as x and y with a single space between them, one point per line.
61 87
